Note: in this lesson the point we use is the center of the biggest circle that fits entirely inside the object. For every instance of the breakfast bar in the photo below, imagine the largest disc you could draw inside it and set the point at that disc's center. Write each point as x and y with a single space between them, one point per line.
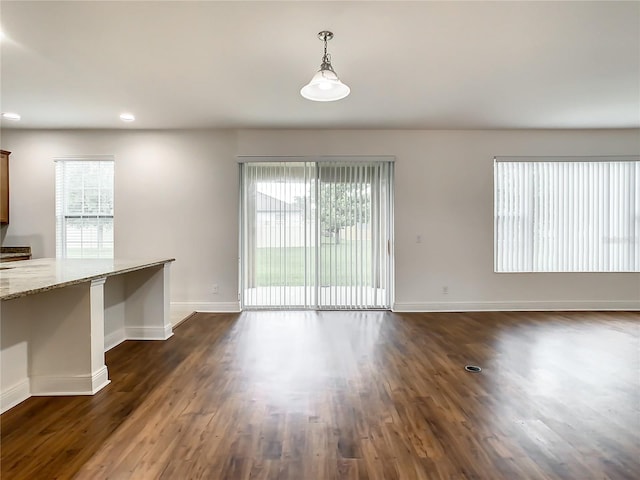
59 316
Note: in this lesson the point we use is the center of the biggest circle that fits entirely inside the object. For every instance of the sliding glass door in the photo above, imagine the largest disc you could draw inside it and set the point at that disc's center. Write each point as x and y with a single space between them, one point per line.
316 234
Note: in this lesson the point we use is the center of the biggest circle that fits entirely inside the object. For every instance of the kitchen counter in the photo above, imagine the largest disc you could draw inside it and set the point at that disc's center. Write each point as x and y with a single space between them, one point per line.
25 277
10 254
59 316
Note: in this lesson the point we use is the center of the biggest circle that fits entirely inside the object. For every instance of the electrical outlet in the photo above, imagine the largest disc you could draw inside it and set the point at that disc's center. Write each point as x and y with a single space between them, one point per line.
214 288
445 290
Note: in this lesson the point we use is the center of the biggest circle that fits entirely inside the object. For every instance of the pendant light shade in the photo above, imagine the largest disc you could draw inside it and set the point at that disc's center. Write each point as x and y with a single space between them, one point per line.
325 86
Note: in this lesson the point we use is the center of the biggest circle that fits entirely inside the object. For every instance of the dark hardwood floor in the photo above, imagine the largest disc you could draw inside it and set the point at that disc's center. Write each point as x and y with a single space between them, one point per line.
350 395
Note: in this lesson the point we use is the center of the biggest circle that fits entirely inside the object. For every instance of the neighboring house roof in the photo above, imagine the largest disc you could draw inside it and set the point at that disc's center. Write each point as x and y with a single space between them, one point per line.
267 203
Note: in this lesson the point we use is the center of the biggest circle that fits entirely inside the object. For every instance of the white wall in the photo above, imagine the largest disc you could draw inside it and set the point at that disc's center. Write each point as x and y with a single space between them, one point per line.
177 195
444 193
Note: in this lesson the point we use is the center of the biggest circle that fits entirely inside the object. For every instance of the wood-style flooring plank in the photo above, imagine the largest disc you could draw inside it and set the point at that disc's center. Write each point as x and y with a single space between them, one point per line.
353 396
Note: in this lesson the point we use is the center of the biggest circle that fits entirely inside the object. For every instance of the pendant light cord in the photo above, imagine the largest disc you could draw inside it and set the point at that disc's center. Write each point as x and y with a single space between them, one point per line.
326 58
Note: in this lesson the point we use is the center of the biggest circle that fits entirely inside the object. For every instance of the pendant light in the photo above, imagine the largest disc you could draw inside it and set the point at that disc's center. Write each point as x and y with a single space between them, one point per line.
325 86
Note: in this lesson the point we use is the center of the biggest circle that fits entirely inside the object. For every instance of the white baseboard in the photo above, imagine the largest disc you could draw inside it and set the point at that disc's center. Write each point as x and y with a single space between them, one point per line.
148 333
566 305
100 379
136 333
209 307
15 395
42 385
114 339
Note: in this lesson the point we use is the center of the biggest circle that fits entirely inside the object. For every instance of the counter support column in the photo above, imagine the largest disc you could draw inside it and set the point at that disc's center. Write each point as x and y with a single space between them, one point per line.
67 340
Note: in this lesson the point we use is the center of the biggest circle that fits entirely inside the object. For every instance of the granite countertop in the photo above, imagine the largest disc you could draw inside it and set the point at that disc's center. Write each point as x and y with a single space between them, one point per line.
13 255
14 252
25 277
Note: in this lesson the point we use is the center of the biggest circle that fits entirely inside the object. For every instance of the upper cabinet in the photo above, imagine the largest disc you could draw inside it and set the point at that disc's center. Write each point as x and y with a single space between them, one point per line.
4 186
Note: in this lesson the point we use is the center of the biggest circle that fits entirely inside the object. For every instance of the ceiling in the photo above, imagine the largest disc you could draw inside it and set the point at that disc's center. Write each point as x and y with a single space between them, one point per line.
434 65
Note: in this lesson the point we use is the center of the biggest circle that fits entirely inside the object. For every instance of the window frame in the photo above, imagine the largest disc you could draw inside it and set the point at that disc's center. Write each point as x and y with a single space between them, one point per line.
63 215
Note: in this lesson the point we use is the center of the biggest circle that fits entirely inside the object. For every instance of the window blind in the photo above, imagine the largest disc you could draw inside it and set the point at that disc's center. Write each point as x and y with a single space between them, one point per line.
315 234
567 216
84 207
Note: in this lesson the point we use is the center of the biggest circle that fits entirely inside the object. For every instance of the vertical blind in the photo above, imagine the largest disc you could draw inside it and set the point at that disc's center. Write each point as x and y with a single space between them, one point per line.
278 253
567 216
315 234
84 207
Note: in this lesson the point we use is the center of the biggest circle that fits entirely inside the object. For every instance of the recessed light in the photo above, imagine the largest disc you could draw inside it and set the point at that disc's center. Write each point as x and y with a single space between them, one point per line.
127 117
11 116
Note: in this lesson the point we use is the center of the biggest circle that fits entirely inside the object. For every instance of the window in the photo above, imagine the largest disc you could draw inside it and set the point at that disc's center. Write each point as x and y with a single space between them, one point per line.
84 207
567 214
